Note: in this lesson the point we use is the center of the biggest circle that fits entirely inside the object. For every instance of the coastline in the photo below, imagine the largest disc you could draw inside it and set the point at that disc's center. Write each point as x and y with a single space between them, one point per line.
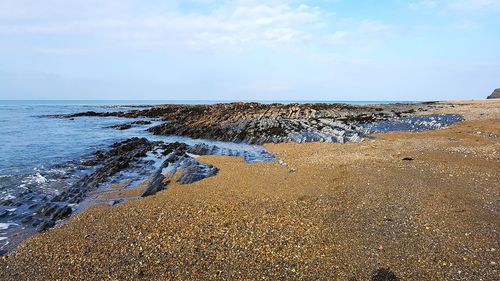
335 217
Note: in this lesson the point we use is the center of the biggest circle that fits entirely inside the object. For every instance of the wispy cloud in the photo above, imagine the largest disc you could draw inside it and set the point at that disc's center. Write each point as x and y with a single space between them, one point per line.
229 25
237 26
223 47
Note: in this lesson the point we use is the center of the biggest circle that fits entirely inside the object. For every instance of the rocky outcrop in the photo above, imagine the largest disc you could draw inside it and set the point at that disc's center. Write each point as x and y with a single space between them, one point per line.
42 212
495 94
178 160
260 123
127 126
120 127
250 156
268 123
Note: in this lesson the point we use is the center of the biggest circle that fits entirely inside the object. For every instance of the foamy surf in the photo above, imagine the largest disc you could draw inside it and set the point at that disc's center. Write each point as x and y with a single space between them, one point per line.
4 226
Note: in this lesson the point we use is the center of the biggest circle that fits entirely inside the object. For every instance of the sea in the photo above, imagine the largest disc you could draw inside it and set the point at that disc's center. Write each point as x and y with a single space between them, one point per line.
41 153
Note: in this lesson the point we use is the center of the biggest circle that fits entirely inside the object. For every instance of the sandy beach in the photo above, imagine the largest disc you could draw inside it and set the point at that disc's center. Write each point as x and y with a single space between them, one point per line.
398 206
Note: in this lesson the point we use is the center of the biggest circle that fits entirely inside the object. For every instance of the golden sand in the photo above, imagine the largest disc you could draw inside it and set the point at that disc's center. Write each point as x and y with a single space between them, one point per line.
346 211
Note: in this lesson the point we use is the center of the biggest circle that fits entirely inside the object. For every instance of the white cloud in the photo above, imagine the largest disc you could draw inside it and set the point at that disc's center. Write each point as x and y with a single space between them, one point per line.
227 26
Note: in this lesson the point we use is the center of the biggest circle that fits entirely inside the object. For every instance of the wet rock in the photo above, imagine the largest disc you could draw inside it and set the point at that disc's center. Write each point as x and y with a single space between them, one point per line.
141 122
196 171
116 202
157 183
43 212
191 169
249 156
45 225
120 127
127 126
174 152
384 274
89 163
121 155
61 213
26 219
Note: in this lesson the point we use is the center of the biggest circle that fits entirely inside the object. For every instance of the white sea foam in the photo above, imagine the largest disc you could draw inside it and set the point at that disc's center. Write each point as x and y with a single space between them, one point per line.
38 178
8 197
4 226
3 238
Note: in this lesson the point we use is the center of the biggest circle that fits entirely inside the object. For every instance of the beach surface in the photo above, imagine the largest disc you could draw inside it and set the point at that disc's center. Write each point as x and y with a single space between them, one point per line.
401 205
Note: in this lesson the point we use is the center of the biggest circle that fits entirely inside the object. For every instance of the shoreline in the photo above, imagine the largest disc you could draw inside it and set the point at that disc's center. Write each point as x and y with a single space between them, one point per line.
319 184
231 123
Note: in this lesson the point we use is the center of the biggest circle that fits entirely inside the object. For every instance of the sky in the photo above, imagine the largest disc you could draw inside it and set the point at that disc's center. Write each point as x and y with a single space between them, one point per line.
249 49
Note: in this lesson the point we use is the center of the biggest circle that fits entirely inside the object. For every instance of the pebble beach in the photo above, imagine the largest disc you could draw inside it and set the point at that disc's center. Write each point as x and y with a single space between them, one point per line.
396 206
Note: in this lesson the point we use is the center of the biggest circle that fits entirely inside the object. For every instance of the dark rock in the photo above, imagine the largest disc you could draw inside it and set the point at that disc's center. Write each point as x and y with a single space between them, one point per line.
43 212
249 156
26 219
45 225
196 171
141 122
115 160
61 213
174 151
156 183
177 159
121 127
383 274
495 94
89 163
408 159
116 202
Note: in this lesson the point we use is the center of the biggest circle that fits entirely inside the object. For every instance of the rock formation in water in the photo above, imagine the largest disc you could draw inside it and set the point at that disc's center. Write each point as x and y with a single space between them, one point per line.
41 211
268 123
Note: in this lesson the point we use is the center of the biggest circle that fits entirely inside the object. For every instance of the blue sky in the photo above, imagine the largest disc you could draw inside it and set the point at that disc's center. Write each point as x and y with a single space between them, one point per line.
249 49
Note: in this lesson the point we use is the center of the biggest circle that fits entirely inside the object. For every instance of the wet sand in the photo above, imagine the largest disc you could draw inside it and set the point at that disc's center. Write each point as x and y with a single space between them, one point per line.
348 212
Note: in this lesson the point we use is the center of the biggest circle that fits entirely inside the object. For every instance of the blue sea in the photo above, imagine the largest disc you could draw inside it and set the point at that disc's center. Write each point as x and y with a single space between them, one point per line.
39 153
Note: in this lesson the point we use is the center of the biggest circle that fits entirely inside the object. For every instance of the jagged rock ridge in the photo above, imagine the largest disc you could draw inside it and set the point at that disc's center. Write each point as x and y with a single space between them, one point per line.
495 94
